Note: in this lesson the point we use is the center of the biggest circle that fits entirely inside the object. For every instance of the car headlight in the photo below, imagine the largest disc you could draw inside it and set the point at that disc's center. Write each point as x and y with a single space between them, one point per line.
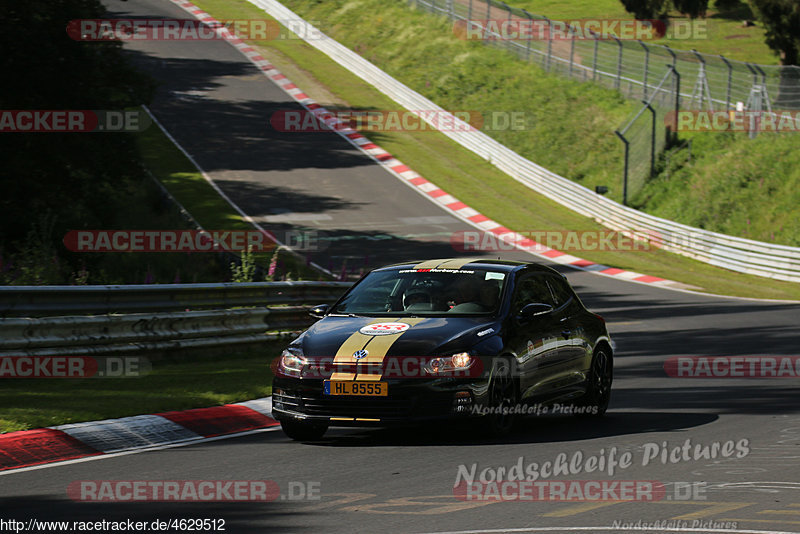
446 364
292 361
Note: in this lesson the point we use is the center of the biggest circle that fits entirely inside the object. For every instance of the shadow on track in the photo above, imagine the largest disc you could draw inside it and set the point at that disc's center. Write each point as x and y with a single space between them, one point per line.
530 430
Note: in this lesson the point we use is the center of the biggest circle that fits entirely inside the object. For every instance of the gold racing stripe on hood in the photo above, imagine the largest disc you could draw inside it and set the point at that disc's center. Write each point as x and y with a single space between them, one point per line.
345 353
355 342
342 376
456 263
376 346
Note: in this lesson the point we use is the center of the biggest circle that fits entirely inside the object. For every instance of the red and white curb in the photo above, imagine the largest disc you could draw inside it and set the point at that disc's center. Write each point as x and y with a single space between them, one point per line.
30 448
425 187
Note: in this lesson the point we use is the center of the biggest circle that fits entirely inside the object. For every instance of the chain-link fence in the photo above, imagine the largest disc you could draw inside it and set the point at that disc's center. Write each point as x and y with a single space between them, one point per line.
644 136
637 69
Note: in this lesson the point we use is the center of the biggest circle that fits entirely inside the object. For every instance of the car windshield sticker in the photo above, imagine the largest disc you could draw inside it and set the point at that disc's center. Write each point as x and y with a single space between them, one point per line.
494 276
451 271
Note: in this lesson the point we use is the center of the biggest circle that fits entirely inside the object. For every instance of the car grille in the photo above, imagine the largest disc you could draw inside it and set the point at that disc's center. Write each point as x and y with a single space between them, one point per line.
365 407
357 407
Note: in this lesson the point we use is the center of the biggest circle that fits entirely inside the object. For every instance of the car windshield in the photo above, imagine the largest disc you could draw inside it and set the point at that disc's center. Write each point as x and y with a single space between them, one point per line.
429 292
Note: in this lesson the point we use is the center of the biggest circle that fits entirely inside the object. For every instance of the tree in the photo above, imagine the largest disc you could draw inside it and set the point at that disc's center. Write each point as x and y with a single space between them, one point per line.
781 20
651 9
646 9
75 180
691 8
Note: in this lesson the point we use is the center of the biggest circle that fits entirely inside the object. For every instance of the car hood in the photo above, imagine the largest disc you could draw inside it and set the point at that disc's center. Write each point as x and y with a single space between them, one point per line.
411 336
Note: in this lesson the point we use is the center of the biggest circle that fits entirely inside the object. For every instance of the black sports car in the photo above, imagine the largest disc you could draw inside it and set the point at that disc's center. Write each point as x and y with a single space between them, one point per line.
445 339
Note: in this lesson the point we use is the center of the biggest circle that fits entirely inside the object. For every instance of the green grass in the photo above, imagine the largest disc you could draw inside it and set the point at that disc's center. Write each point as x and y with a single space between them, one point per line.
188 186
201 381
723 32
453 168
736 186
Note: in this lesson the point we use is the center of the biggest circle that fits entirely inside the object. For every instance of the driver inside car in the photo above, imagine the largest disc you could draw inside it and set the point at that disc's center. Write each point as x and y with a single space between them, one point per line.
417 299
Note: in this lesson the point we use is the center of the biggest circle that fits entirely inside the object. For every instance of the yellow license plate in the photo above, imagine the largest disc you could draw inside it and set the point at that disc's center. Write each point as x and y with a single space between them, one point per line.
347 387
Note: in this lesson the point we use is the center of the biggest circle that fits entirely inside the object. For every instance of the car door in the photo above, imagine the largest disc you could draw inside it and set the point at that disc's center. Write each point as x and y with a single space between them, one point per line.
569 372
536 341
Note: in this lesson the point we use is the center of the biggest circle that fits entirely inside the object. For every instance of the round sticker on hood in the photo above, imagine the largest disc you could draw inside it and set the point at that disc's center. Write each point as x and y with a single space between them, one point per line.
384 329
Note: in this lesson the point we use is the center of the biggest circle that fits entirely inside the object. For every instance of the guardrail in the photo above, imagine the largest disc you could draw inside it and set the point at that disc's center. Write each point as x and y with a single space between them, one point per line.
738 254
42 321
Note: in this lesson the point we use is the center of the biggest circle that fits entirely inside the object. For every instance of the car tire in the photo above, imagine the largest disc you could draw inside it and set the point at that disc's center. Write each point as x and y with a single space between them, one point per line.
598 393
502 394
302 431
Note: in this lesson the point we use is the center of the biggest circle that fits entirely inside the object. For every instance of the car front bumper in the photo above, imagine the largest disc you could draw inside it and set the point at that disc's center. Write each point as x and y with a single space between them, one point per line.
408 401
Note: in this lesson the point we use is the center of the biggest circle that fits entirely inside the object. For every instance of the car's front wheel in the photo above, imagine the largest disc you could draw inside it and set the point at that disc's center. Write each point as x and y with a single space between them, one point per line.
302 431
502 399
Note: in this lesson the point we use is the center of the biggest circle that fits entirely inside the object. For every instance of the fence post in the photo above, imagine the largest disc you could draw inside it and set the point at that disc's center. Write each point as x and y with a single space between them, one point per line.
730 81
469 13
753 72
619 64
764 87
701 87
652 139
488 10
508 42
549 43
452 9
594 59
674 56
677 78
677 101
571 52
625 171
646 67
753 101
530 36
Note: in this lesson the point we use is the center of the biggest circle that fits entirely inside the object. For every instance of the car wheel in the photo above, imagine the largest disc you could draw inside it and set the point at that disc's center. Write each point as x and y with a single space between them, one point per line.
598 393
502 399
301 431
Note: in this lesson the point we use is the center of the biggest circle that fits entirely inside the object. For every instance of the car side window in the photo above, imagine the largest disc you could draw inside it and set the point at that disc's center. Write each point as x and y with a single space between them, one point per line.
562 294
531 289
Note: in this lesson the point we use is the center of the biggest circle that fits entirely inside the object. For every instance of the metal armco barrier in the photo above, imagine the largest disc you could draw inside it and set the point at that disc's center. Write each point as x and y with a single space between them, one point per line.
737 254
41 321
37 301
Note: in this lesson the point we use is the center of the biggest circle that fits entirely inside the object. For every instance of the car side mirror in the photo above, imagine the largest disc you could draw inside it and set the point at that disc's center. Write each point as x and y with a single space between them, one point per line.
319 311
533 310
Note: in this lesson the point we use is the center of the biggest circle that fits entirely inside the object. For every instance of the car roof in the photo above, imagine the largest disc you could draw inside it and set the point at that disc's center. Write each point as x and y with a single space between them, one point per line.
459 263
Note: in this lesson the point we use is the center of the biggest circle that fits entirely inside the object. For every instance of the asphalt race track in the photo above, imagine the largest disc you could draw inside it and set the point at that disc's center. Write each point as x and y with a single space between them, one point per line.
216 104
